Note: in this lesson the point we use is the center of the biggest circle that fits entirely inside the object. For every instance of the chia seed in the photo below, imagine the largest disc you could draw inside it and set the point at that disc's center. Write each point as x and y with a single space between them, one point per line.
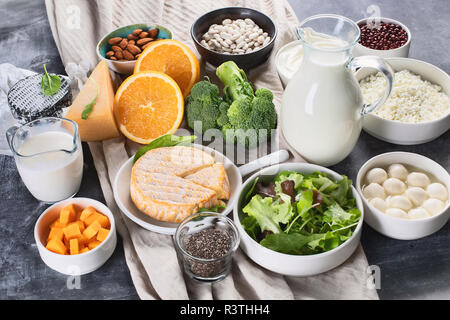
208 244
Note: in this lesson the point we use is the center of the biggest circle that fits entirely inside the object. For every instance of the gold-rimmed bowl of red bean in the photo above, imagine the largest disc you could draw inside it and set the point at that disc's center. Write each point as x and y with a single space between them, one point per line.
383 37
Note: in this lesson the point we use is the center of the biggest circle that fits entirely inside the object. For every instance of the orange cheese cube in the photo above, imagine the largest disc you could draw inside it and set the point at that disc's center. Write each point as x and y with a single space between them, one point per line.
93 244
92 230
72 231
56 233
102 234
68 214
82 240
56 246
84 249
58 224
104 221
74 246
80 225
86 213
93 217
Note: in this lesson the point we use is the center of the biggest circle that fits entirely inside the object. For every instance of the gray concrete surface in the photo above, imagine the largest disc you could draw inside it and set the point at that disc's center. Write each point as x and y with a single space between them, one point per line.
409 269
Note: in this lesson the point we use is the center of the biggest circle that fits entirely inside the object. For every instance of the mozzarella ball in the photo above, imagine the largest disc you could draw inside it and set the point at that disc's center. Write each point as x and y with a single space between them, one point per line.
374 190
400 202
394 186
376 175
398 171
437 191
433 206
379 204
416 195
418 179
398 213
418 213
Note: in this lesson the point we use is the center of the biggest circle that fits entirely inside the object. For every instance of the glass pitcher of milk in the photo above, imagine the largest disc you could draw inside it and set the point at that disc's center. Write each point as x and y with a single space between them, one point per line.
322 106
49 157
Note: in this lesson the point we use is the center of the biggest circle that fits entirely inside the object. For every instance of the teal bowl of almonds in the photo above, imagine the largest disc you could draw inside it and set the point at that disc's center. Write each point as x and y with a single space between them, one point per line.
122 47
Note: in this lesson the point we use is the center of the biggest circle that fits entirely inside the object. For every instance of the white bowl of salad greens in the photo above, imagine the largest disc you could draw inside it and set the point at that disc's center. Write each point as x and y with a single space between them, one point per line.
298 219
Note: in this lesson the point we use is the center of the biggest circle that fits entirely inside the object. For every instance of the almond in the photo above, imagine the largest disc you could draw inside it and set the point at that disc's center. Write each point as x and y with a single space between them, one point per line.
119 54
113 58
153 33
123 44
133 49
109 54
143 35
137 32
144 41
132 37
116 49
114 41
127 55
132 42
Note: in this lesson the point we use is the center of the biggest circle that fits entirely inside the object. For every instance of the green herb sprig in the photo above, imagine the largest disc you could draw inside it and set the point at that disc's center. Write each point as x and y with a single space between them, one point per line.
89 107
50 84
168 140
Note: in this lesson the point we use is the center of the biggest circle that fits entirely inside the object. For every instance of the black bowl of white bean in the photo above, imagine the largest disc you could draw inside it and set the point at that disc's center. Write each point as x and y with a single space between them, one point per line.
243 35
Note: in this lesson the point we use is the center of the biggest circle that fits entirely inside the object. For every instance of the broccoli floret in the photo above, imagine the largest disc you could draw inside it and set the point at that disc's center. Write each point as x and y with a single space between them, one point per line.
222 120
203 105
249 112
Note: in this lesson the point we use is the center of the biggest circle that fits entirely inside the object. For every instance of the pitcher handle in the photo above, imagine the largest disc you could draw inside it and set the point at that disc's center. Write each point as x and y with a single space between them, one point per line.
9 136
382 66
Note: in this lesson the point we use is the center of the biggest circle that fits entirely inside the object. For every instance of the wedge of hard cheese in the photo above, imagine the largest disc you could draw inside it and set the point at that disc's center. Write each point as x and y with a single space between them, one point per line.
213 177
100 125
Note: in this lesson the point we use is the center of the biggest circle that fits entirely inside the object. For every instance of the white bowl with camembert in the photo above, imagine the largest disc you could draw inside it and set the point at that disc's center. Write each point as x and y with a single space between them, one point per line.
168 184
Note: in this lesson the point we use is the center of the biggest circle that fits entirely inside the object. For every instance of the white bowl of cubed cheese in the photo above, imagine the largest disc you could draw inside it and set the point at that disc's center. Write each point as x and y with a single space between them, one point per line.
414 112
82 262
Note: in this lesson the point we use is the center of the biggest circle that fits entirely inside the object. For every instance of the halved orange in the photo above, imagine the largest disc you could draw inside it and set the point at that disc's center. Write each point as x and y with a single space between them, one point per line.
147 105
173 58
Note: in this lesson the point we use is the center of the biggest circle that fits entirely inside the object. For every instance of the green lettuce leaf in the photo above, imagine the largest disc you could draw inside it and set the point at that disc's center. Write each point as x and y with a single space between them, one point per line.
293 243
251 226
262 210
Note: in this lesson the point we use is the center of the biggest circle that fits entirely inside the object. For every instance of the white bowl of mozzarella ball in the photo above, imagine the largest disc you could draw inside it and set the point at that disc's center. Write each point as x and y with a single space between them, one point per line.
405 195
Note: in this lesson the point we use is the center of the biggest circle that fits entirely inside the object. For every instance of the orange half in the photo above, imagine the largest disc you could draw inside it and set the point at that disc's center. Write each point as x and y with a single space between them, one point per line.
148 105
172 58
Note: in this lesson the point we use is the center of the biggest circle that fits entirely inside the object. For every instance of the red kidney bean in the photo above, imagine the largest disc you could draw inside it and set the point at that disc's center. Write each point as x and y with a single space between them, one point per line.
387 36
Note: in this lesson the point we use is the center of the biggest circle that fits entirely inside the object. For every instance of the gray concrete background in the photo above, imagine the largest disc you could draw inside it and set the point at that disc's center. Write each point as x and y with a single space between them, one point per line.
409 269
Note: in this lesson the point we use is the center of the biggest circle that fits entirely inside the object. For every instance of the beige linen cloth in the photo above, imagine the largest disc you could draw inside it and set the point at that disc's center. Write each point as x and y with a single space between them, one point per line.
77 26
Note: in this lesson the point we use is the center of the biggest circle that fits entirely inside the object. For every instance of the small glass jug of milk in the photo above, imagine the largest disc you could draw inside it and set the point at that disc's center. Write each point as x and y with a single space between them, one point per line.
49 157
322 107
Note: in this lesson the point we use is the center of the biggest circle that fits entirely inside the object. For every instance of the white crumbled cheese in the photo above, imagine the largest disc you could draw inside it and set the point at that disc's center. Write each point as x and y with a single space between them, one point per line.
412 99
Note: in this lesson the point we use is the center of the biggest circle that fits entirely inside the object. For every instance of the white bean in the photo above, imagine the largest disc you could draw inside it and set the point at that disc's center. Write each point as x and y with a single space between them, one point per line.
261 39
249 21
215 43
266 42
239 40
225 35
240 45
224 44
227 21
253 36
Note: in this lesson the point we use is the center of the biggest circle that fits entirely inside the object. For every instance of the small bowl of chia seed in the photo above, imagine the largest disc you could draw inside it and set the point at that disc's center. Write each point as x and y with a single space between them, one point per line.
205 243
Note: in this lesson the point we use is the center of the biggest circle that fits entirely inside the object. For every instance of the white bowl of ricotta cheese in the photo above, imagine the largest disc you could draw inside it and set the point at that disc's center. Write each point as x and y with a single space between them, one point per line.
417 111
